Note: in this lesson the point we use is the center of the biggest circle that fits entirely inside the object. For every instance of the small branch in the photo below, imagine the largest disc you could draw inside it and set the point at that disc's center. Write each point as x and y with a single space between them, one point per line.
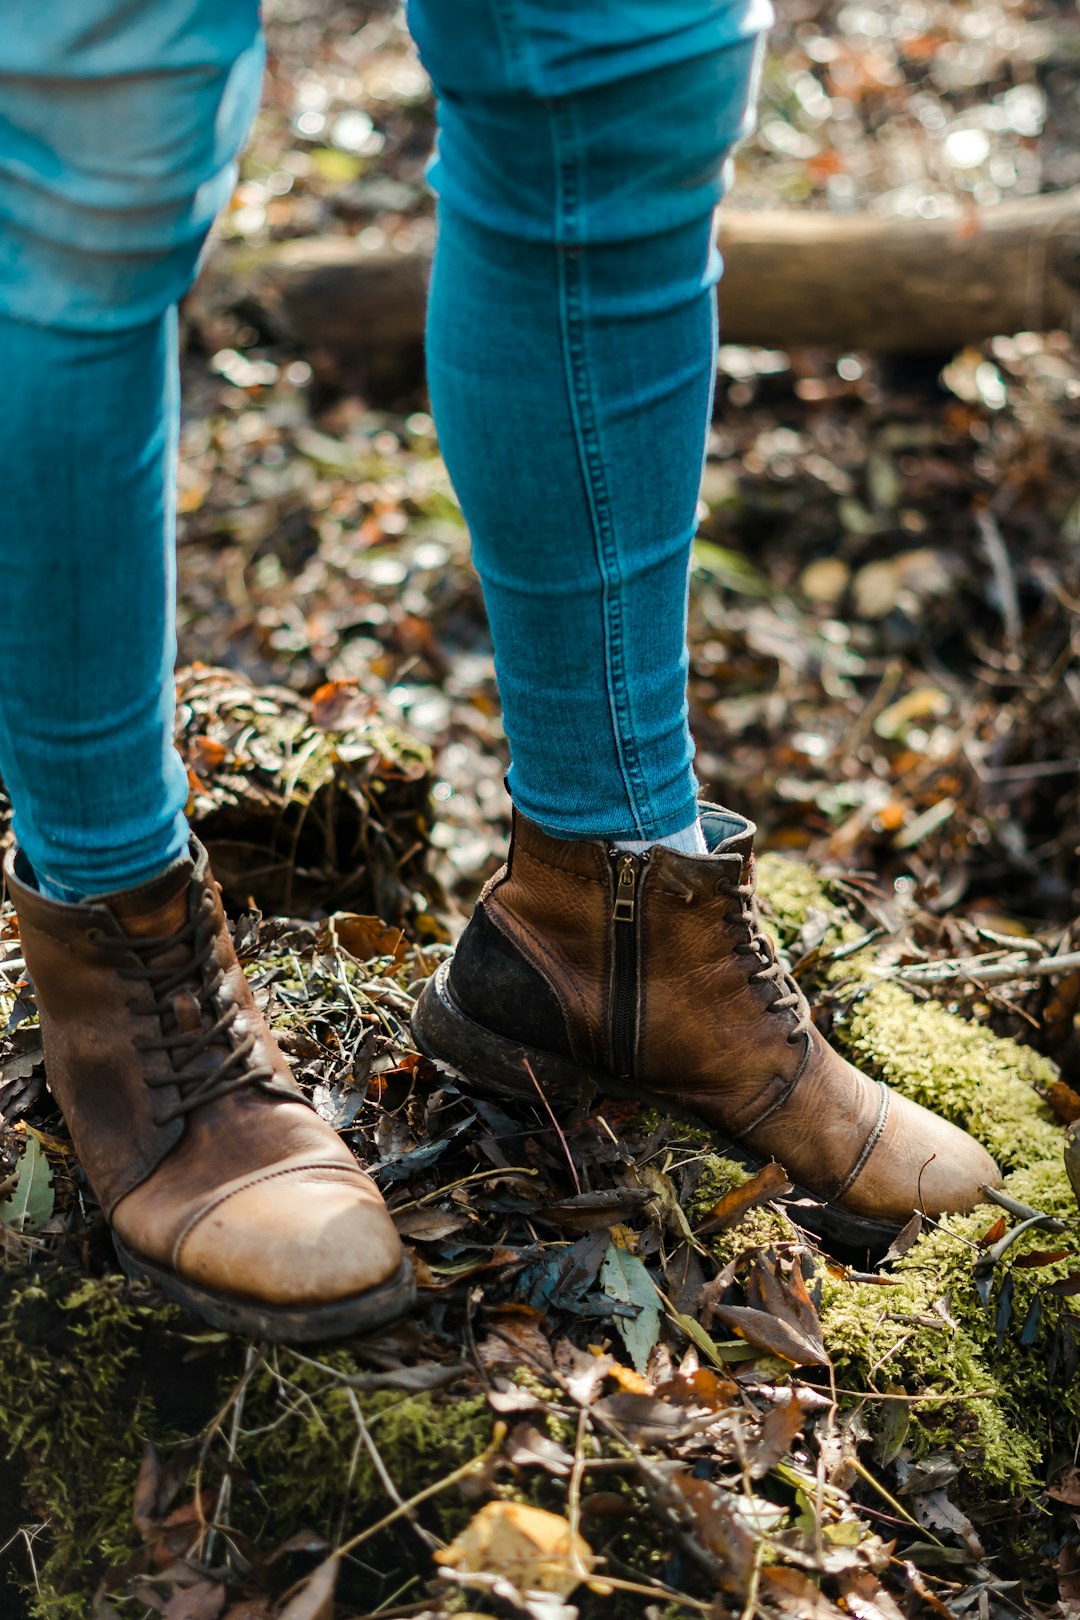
978 970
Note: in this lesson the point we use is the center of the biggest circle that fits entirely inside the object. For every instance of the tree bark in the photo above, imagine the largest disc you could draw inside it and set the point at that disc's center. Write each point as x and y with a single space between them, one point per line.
792 277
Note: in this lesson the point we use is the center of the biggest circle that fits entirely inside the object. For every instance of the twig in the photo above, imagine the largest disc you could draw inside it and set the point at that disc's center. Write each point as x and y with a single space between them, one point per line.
554 1121
385 1478
916 1400
574 1493
897 1507
466 1181
983 972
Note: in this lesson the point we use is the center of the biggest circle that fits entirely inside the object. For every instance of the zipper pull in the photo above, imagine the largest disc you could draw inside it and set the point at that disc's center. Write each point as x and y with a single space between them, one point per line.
626 890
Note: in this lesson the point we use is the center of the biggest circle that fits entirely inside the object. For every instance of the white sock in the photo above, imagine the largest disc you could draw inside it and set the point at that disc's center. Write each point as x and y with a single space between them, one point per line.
691 841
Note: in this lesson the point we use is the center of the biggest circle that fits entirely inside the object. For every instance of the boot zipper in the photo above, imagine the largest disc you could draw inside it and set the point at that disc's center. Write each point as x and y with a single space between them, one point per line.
624 914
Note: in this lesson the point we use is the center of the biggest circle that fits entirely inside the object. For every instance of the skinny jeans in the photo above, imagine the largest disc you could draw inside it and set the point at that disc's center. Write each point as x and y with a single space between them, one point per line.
583 146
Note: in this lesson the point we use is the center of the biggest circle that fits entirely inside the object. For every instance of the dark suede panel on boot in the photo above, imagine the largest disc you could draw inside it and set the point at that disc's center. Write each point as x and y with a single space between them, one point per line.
492 982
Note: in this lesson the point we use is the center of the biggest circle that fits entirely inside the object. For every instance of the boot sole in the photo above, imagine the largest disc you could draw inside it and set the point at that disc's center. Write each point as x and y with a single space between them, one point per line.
492 1064
282 1324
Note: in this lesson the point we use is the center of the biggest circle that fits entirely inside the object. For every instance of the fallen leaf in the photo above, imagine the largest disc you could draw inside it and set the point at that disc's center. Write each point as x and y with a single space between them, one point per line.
624 1278
203 1601
794 1593
993 1234
365 937
866 1599
703 1388
1041 1257
782 1422
535 1551
340 705
516 1339
771 1181
528 1447
315 1599
207 754
782 1319
920 1588
31 1204
583 1371
1063 1100
720 1529
903 1240
144 1508
1066 1487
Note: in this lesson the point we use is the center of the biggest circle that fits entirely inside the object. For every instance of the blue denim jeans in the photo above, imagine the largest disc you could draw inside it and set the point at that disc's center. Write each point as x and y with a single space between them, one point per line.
583 147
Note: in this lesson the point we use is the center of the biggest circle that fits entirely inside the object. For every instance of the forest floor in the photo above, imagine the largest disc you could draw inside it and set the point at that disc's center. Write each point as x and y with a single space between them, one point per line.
634 1383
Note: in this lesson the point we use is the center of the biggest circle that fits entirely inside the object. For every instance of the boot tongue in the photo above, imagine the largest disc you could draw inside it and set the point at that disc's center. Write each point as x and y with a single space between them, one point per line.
160 909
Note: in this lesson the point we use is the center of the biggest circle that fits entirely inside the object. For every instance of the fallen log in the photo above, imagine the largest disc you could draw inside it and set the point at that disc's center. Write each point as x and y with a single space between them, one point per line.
793 277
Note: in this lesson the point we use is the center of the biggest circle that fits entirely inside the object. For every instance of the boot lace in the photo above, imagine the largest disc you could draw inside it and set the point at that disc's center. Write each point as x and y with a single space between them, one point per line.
182 1046
759 946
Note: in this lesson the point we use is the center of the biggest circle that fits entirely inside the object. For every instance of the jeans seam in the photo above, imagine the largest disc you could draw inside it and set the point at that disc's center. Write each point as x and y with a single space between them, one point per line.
571 312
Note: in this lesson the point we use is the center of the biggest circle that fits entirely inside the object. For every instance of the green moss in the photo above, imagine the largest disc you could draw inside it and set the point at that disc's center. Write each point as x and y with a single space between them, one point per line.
74 1417
302 1447
987 1084
89 1371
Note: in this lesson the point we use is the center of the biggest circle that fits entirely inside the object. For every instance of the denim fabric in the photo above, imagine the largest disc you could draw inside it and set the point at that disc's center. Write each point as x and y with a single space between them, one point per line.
571 355
582 149
120 121
88 429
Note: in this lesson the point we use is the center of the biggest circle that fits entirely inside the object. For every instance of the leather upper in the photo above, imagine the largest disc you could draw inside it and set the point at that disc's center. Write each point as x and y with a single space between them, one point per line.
719 1027
199 1145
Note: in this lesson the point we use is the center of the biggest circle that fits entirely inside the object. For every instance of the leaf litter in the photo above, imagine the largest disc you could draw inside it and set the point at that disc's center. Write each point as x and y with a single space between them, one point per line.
883 638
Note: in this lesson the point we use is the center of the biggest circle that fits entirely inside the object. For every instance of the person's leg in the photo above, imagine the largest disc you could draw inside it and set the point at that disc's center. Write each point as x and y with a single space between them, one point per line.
119 124
88 428
118 133
571 359
571 366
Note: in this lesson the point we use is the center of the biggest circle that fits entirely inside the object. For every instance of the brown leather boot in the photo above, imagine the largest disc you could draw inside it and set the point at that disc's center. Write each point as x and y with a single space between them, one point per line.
221 1184
649 976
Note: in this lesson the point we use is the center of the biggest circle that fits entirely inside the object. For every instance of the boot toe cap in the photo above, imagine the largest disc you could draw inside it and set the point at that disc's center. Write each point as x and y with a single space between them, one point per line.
922 1162
304 1239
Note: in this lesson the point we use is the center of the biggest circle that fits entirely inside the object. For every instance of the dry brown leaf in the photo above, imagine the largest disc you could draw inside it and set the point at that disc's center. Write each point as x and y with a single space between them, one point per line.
203 1601
516 1339
794 1593
783 1421
904 1240
771 1181
144 1508
1066 1488
340 705
922 1590
1063 1100
701 1388
535 1551
315 1599
866 1599
365 937
719 1529
993 1234
781 1317
207 754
